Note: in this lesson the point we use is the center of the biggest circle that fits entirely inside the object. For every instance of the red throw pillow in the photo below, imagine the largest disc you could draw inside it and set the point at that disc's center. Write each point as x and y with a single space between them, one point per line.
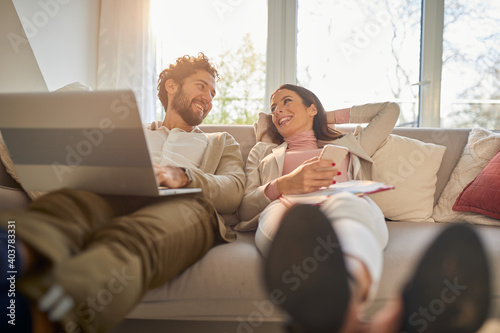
482 195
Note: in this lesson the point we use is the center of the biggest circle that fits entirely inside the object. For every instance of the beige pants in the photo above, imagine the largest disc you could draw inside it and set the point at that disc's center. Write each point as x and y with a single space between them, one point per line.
358 222
106 252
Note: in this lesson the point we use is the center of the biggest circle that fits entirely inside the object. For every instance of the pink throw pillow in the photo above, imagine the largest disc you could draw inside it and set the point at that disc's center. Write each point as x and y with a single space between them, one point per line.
482 195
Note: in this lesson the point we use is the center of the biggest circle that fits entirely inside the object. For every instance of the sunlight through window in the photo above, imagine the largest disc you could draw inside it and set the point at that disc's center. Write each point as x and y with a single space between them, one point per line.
232 34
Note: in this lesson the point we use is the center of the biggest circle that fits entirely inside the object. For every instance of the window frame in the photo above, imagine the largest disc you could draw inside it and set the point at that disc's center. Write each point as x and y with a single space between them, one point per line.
281 65
431 63
281 54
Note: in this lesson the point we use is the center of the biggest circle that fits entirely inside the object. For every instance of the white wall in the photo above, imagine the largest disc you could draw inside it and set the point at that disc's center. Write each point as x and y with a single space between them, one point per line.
19 71
64 37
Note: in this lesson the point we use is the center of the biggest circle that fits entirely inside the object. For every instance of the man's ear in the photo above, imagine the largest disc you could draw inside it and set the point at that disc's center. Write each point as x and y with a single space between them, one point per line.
171 86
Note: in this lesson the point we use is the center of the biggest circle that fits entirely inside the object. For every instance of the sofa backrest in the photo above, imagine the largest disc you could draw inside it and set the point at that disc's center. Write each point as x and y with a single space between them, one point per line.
453 139
244 134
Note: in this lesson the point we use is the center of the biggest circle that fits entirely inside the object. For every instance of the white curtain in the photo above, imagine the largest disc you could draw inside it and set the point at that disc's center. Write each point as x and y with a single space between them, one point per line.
126 58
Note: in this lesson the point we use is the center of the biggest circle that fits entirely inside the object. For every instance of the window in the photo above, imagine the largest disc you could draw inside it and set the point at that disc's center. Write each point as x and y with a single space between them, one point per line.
470 86
233 34
355 52
347 52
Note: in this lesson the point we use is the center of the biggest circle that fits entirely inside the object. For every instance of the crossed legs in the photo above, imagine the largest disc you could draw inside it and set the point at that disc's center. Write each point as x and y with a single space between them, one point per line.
360 229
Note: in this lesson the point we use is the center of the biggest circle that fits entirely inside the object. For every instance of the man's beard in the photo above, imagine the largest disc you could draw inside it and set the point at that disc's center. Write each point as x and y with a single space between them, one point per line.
183 106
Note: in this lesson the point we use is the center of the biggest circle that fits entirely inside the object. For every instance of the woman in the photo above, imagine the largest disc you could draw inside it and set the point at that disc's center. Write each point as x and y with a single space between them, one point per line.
302 133
324 262
289 164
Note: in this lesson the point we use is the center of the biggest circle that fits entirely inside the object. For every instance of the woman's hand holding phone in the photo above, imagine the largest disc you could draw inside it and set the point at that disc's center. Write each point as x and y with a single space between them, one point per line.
310 176
334 153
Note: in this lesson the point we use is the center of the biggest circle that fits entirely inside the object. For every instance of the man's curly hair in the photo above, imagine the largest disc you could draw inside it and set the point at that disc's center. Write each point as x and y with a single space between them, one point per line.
184 66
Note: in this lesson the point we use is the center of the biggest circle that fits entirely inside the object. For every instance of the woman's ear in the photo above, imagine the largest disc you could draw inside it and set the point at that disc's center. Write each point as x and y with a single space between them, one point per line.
313 110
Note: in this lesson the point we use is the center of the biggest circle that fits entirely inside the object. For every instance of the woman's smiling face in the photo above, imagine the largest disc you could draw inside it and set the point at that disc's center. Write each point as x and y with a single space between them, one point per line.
290 115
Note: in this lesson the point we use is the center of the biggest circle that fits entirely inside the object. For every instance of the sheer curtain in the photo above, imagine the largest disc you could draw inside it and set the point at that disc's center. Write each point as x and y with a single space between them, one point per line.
126 58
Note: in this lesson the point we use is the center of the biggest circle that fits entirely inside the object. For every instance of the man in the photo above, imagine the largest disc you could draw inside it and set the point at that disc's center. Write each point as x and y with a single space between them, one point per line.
87 259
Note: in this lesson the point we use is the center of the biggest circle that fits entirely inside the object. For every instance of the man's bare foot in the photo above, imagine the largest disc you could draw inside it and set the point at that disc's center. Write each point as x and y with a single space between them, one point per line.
41 323
28 257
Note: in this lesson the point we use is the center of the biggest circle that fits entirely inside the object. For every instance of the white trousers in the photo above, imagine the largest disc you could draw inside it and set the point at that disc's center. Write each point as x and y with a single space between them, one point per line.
358 222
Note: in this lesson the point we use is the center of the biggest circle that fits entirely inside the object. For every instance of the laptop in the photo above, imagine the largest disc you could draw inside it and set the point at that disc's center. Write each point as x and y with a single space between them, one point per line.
87 140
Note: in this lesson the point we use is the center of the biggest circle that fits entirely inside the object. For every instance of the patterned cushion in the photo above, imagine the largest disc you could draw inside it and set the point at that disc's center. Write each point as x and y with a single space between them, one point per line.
481 147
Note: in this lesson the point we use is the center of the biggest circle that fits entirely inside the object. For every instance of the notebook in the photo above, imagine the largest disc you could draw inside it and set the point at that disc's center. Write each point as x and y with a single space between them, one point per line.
87 140
357 187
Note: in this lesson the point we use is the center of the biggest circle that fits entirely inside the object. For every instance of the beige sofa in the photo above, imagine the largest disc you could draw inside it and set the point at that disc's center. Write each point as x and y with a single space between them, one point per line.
223 291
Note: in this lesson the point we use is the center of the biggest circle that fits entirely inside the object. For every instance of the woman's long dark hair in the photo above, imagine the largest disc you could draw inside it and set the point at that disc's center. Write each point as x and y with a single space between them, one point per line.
320 125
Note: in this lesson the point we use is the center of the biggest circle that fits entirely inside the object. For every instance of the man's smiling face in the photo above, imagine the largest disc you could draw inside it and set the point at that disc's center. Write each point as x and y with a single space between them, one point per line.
193 100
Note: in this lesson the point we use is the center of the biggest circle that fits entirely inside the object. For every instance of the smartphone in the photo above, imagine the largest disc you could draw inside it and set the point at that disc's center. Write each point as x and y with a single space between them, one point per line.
334 153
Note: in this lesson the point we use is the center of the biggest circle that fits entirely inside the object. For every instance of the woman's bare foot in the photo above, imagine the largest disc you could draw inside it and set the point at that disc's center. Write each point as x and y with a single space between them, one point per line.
361 275
387 320
360 289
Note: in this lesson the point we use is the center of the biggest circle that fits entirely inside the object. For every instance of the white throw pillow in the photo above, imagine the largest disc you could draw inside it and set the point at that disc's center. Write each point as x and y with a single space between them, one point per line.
482 145
410 166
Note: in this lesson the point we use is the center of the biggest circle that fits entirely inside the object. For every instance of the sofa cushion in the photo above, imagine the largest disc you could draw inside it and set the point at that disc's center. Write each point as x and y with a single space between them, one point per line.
482 145
407 243
226 283
482 195
454 139
223 285
410 166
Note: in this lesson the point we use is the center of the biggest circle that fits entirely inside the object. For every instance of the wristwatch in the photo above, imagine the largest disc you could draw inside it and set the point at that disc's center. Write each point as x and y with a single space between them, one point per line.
188 175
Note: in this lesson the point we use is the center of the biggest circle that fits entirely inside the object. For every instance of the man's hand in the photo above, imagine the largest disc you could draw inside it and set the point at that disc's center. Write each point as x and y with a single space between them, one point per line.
172 177
310 176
